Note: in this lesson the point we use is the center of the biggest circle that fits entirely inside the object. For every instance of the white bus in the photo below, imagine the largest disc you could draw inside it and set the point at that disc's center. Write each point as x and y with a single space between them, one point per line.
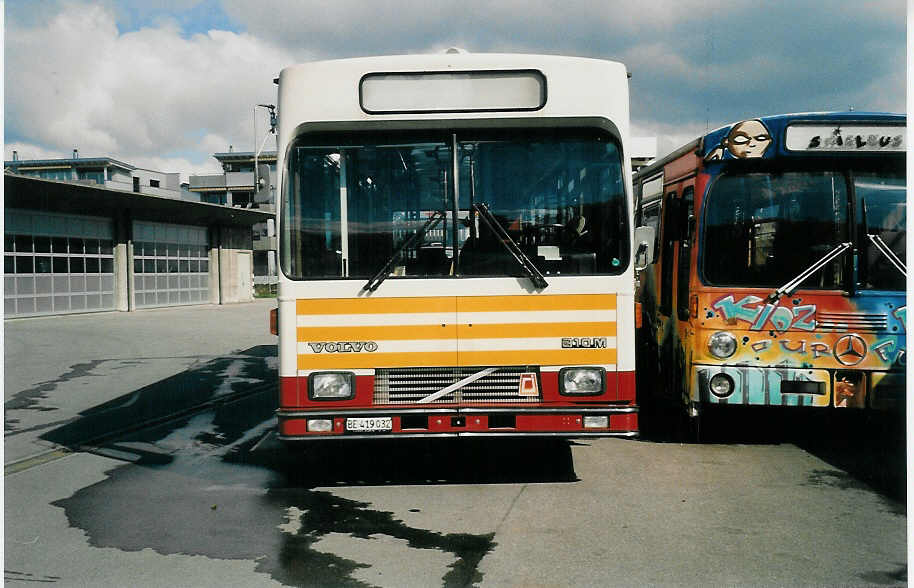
455 248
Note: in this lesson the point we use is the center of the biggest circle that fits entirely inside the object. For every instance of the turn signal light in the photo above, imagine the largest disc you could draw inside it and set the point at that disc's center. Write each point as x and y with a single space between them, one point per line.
527 386
274 321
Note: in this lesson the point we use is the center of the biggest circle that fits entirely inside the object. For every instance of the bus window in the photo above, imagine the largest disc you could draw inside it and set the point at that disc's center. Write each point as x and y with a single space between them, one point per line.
881 213
559 196
670 234
651 218
765 229
685 249
389 190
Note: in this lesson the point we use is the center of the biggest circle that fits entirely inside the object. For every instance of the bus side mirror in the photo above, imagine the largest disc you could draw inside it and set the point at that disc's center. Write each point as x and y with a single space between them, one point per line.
644 254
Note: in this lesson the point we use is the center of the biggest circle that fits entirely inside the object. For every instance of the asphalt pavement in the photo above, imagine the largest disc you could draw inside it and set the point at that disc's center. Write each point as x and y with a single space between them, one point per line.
62 374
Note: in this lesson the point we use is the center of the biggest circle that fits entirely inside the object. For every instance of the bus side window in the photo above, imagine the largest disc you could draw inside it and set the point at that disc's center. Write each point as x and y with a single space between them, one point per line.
685 249
651 218
670 235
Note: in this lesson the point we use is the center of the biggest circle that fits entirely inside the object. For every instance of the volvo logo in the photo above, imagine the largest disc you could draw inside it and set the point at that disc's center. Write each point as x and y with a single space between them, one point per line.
343 346
850 349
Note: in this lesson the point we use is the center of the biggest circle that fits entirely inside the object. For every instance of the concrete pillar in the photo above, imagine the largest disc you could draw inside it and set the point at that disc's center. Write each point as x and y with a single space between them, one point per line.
123 262
215 272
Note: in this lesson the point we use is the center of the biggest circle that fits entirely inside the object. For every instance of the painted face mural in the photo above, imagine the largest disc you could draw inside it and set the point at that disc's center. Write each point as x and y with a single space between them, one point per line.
746 139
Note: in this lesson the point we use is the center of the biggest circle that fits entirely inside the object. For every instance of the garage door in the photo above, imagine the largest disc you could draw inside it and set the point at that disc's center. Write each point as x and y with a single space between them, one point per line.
56 263
170 264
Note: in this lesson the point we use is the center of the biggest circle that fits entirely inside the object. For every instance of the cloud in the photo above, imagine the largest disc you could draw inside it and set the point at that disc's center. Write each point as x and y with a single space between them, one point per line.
347 28
150 91
178 79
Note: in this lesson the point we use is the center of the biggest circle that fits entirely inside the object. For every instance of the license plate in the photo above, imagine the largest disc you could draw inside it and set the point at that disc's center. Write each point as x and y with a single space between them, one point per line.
369 424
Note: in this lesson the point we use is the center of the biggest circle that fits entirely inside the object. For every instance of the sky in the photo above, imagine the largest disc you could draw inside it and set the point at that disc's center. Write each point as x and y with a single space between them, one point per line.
165 84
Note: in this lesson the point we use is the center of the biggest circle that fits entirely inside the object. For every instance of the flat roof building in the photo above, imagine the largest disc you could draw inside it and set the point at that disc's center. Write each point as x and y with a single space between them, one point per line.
102 171
239 186
83 245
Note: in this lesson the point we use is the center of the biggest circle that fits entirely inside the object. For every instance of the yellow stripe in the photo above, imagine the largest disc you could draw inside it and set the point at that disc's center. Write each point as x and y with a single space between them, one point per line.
322 306
526 330
375 360
540 302
375 305
477 331
538 357
464 358
384 333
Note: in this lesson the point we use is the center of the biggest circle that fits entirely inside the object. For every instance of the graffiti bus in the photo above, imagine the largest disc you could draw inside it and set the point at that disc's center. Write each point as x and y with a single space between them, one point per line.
455 248
773 256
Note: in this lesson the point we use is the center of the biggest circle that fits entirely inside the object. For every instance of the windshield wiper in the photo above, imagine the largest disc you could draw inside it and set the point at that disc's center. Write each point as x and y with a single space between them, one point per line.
889 254
790 286
519 256
384 272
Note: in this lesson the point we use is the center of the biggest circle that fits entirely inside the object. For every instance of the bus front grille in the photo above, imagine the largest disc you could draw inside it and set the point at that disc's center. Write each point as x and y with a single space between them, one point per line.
410 385
851 321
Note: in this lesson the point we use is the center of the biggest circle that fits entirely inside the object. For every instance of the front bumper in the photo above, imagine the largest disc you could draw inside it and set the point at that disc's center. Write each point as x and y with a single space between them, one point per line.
621 421
800 387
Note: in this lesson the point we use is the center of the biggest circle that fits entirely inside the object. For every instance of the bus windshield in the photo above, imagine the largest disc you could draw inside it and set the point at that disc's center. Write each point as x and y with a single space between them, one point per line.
351 201
764 229
881 212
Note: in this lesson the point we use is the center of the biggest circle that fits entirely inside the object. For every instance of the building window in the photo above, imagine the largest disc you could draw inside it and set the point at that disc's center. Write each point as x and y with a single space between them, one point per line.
95 175
136 184
153 183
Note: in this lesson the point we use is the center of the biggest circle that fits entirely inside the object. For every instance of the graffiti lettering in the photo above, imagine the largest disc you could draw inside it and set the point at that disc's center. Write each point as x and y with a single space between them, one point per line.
883 349
780 318
799 348
819 349
730 309
851 349
760 346
901 315
806 317
869 142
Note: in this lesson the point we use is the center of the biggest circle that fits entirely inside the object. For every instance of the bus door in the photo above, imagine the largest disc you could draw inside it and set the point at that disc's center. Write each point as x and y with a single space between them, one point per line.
674 309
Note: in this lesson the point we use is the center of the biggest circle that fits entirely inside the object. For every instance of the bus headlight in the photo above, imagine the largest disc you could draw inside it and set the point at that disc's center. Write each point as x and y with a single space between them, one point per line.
581 381
331 386
721 385
722 344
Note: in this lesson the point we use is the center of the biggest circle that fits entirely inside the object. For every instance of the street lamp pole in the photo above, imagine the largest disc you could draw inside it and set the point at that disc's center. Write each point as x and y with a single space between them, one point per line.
272 109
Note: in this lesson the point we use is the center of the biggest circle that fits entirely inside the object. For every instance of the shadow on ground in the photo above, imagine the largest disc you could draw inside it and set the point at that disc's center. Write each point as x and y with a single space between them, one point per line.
869 446
214 381
417 461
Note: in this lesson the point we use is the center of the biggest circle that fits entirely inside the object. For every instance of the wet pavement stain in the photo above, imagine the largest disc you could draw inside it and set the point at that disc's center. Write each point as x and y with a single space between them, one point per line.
198 504
30 398
214 484
218 484
321 513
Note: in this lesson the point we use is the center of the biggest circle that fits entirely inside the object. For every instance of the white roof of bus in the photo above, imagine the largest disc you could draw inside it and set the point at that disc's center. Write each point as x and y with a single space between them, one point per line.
328 91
